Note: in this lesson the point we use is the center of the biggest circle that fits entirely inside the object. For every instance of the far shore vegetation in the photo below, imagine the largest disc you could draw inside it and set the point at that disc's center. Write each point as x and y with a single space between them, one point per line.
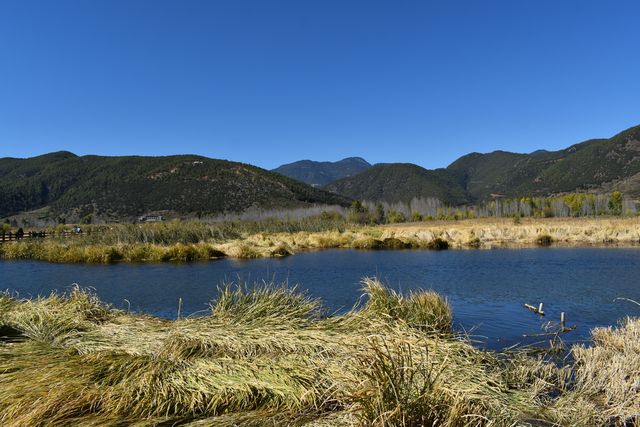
571 220
270 355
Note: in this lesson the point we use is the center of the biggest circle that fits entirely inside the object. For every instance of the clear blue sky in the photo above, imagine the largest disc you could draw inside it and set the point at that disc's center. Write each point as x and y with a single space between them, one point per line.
270 82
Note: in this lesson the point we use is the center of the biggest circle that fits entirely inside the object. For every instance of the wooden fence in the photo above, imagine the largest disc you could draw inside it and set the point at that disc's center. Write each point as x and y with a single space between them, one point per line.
33 235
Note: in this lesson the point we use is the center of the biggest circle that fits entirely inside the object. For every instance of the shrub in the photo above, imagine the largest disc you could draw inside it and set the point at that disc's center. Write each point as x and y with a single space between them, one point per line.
544 240
368 243
281 250
615 203
474 243
547 212
379 215
358 213
395 243
438 244
206 251
394 217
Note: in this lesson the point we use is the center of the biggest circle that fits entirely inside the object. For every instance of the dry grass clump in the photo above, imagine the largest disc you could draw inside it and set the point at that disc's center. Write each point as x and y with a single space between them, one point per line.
263 302
56 318
326 240
608 373
436 383
424 310
246 252
269 354
7 302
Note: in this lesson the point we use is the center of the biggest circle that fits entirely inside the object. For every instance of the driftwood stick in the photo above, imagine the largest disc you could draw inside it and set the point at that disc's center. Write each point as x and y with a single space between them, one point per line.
537 310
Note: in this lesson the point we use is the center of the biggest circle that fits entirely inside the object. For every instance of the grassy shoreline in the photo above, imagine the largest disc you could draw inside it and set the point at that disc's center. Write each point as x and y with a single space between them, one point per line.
270 355
186 241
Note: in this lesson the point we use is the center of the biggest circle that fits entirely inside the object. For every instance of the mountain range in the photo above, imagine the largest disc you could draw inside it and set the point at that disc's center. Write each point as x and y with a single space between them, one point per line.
400 182
124 187
598 165
321 173
117 187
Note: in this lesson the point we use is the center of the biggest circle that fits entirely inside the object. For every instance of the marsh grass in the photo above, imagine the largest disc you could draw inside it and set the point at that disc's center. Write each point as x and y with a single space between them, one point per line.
609 372
270 354
188 241
245 251
7 302
76 251
497 232
424 310
190 232
263 302
260 245
435 382
399 390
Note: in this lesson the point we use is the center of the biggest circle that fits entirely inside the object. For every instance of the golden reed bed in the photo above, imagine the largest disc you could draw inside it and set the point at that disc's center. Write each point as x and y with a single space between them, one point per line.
463 234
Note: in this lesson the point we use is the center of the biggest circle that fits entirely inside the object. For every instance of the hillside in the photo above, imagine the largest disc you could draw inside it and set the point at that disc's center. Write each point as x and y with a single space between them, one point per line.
321 173
125 187
599 165
394 182
129 186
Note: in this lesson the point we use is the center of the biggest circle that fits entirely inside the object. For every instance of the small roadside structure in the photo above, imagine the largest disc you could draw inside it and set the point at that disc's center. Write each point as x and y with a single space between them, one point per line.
151 218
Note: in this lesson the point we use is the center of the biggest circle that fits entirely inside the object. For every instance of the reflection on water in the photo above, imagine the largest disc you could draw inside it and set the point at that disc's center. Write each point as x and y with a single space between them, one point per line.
487 288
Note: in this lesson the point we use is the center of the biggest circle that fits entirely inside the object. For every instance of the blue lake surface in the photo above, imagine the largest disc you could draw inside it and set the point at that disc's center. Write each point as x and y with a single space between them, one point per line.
486 288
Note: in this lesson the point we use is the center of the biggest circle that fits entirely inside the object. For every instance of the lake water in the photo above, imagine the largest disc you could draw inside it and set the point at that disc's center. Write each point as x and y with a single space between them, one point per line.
486 288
